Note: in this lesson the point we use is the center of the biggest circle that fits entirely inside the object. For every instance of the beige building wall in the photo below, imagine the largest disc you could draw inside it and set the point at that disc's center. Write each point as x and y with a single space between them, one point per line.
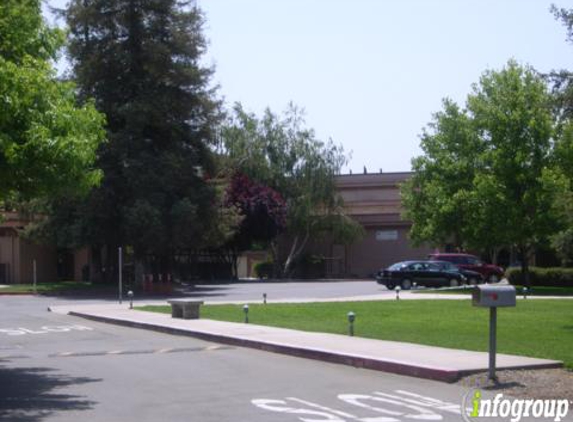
46 262
381 247
8 253
374 201
17 254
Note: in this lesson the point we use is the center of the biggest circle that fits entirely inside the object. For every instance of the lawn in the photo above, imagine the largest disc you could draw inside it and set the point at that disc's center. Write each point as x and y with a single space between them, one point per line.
532 291
56 288
536 328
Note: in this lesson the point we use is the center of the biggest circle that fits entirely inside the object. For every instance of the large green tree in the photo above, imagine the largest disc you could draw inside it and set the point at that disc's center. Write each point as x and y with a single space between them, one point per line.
281 153
436 197
141 62
491 179
562 82
47 140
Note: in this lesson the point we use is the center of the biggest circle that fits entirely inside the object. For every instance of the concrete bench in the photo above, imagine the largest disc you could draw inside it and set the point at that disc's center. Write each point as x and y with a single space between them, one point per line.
185 308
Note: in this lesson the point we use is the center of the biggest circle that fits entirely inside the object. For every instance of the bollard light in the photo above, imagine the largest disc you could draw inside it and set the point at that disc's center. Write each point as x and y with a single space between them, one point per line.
525 292
398 293
265 298
246 311
415 285
130 296
351 317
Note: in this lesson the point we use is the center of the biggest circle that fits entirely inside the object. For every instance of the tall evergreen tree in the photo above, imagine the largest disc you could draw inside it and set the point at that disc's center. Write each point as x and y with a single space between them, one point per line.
140 61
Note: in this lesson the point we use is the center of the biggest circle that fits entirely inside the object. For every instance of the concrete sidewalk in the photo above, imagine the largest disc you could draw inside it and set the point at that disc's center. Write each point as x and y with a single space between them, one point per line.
401 358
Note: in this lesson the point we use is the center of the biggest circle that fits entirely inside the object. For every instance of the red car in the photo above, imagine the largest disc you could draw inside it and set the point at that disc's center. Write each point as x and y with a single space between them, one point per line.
490 273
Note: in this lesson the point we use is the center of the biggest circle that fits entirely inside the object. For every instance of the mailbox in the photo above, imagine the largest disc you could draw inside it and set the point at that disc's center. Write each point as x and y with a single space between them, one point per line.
489 296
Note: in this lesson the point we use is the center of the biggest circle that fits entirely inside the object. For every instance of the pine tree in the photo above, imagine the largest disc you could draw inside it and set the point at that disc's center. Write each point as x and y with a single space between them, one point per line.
140 61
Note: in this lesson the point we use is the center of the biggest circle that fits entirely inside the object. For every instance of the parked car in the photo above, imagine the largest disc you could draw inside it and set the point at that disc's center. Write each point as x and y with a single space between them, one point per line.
472 277
490 273
423 273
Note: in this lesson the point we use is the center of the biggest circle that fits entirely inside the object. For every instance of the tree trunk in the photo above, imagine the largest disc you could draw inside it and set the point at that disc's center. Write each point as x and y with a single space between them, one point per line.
276 257
96 275
138 270
524 252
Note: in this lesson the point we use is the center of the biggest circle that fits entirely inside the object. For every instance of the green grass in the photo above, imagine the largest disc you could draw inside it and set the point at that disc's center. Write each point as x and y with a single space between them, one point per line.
533 291
53 288
535 328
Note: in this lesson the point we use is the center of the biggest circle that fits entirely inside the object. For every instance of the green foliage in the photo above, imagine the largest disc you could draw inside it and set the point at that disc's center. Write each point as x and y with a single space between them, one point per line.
487 177
24 33
279 152
437 197
47 142
264 269
549 277
140 61
562 80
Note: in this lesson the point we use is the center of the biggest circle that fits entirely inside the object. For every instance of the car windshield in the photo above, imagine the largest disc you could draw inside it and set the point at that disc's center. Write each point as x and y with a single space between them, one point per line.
397 266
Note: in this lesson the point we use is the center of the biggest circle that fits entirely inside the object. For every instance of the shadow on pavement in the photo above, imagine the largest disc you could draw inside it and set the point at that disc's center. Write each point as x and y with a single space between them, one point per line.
27 394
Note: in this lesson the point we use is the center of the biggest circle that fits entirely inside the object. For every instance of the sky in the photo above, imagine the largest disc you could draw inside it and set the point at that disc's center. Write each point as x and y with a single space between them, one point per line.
370 73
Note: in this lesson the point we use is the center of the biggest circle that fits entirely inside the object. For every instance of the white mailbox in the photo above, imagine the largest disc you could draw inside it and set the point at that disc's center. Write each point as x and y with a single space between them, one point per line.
497 296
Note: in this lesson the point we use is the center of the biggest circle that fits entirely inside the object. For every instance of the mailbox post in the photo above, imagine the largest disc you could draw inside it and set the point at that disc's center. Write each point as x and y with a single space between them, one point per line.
493 297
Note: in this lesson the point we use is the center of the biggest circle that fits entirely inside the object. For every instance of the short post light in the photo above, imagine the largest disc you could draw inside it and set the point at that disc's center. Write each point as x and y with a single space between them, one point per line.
415 285
130 296
398 292
525 290
265 298
246 311
351 317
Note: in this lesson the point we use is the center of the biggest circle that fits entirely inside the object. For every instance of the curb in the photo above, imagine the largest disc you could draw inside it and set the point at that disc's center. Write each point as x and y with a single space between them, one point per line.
399 368
436 374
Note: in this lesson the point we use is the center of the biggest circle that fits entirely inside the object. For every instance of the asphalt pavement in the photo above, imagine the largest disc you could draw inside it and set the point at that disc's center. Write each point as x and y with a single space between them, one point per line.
61 368
57 367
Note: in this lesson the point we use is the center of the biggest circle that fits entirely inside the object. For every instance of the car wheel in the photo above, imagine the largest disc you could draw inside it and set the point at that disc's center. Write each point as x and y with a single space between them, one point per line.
454 283
406 284
493 278
473 281
390 286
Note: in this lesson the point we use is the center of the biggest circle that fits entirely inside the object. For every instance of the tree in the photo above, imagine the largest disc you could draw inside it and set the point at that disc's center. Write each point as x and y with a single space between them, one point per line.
504 141
262 214
140 61
562 80
436 198
47 140
283 155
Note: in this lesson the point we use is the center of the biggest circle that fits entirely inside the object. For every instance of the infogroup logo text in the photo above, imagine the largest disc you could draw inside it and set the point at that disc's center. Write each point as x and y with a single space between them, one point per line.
474 407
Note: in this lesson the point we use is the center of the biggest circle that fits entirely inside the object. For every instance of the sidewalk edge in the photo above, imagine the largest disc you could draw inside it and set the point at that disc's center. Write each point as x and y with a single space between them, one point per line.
436 374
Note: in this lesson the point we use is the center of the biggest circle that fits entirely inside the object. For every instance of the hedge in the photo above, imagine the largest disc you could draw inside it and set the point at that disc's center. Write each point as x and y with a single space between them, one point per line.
264 269
551 277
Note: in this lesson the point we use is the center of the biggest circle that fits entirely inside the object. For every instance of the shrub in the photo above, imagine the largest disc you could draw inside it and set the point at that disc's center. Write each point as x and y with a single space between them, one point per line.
264 269
551 277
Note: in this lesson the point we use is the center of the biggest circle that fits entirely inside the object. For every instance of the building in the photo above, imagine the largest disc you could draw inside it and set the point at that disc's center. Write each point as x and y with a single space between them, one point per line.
17 255
372 199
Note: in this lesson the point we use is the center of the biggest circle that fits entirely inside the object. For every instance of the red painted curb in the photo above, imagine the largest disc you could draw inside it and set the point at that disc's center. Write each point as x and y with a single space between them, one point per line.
355 361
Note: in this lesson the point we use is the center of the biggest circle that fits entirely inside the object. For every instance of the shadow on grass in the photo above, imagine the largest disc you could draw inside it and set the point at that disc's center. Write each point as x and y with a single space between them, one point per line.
32 394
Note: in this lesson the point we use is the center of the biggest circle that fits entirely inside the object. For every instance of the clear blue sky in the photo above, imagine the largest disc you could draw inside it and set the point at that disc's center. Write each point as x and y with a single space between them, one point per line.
370 73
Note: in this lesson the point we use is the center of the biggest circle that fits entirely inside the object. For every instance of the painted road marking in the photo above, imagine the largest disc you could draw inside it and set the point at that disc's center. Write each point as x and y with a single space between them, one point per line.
396 406
20 331
138 352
